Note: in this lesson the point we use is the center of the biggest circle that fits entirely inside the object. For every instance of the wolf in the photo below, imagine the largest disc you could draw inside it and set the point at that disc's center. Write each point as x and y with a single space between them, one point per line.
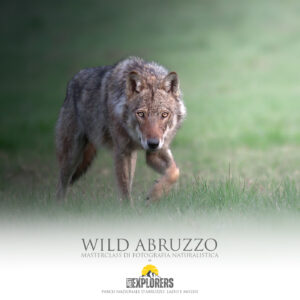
126 107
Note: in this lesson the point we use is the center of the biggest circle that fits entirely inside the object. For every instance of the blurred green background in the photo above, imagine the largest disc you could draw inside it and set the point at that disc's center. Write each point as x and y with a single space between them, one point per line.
238 62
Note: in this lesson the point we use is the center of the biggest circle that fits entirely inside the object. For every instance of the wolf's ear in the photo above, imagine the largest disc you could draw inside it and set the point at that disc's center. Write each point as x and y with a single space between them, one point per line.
171 83
134 83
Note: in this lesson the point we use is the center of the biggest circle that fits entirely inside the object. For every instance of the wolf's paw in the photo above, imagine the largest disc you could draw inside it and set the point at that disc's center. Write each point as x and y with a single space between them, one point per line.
156 192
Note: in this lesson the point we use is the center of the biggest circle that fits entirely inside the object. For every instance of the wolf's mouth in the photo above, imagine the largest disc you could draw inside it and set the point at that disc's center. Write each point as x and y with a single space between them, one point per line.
152 150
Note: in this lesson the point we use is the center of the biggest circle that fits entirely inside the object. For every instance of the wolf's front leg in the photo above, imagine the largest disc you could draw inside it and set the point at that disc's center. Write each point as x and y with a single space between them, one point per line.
124 169
162 161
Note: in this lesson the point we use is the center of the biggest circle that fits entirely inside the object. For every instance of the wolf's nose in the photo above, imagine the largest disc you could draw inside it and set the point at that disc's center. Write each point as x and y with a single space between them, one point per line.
153 143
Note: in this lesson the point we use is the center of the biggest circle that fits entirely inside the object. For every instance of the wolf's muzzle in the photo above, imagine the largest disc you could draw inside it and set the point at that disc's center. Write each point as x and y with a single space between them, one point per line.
152 143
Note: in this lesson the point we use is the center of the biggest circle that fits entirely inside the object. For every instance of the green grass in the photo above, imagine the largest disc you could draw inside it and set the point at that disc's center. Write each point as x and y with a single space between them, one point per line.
239 147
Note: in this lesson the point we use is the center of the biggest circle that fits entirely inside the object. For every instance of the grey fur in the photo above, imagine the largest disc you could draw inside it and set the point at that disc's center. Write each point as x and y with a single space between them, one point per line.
97 112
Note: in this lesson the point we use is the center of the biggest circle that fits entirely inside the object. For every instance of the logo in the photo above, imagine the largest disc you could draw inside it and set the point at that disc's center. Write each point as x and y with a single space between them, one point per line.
149 279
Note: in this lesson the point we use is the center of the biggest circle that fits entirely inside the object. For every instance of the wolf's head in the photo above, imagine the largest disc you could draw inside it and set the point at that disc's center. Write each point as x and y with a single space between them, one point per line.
154 106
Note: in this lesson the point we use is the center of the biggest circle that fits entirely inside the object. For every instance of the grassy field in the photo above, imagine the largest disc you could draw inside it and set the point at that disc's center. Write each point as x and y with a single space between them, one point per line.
238 61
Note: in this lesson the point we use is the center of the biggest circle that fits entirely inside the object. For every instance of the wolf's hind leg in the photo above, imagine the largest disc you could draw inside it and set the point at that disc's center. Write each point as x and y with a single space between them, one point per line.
162 162
70 153
89 154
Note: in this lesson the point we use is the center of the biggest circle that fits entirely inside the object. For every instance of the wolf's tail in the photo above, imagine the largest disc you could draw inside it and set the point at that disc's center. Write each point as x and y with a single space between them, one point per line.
89 154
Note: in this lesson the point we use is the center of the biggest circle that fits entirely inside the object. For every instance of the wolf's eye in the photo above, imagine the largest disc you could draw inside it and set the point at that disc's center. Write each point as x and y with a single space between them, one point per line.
164 114
141 114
